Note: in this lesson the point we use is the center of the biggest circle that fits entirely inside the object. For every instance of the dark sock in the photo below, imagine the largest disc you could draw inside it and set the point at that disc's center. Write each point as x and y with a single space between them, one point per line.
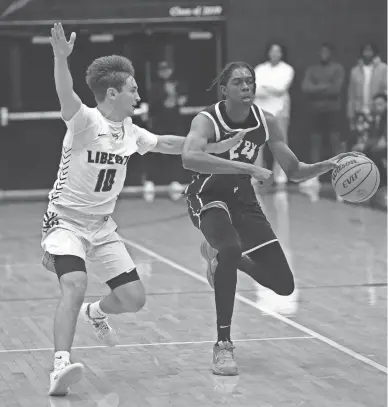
225 281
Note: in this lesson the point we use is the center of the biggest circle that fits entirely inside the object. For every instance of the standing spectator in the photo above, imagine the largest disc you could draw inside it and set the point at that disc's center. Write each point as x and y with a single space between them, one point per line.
167 95
273 80
322 84
367 79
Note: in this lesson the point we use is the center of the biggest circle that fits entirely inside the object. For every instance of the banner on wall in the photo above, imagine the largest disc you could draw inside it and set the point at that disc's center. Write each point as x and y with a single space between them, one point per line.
42 12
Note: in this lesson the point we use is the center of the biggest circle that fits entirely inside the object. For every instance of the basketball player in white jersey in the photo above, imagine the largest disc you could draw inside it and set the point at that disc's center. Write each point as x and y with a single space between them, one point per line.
78 231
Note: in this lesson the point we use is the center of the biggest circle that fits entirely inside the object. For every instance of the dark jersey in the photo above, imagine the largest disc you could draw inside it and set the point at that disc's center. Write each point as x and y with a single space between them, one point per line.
246 151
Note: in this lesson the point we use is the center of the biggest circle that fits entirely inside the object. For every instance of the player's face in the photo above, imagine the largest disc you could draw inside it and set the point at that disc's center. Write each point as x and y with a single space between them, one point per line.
240 87
126 100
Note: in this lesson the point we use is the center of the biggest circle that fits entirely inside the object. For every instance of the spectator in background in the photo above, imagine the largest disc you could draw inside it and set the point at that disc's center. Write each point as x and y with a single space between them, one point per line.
367 79
165 98
322 85
273 80
371 135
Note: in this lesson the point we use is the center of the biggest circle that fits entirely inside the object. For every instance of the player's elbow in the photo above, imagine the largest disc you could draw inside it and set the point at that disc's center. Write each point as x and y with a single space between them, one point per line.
293 174
189 160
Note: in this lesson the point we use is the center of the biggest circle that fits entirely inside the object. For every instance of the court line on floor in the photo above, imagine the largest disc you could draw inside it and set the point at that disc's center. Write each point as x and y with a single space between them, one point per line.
275 315
156 344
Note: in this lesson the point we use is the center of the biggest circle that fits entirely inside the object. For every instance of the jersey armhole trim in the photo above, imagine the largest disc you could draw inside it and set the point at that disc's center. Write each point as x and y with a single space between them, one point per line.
262 116
216 129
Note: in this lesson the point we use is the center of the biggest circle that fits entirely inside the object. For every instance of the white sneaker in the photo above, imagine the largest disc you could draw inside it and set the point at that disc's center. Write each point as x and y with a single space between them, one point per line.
65 374
104 332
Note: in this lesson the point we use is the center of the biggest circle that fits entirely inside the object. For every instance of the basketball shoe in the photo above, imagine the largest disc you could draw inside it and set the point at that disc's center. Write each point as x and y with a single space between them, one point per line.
103 331
64 375
210 255
224 363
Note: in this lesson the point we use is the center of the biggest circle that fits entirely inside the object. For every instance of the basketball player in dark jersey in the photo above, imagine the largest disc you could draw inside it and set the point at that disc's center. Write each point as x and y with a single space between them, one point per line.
222 202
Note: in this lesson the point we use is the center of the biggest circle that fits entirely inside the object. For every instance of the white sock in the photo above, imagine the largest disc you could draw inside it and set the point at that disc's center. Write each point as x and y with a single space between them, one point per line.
61 356
95 310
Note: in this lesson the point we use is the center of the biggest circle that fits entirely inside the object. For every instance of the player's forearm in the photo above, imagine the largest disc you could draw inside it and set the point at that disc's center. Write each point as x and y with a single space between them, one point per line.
174 145
169 145
63 78
305 171
203 162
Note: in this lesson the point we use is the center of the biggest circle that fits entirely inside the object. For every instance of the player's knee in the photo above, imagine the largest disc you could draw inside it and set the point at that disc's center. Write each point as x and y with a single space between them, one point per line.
131 296
133 300
73 287
230 252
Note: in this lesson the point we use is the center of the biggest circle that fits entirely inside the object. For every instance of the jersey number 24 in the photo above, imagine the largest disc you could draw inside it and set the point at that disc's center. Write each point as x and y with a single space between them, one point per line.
244 147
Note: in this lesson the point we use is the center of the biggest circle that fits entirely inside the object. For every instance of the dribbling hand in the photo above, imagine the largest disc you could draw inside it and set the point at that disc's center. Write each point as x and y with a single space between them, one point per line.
332 163
263 176
61 47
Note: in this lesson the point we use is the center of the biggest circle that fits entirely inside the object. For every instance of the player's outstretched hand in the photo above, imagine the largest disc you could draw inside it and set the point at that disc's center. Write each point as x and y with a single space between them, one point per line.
332 163
225 145
263 176
61 47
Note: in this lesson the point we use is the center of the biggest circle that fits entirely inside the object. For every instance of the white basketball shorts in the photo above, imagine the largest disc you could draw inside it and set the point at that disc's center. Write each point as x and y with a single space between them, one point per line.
90 237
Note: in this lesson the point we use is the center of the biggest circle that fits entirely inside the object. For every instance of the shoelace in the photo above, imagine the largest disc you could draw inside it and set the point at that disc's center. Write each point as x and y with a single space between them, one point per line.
60 364
102 326
226 354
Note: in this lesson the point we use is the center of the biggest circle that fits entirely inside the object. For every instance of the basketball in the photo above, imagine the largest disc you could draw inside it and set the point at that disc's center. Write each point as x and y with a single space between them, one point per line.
356 179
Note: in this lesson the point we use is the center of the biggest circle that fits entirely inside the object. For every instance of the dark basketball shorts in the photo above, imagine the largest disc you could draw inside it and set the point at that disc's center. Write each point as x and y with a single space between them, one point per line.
248 219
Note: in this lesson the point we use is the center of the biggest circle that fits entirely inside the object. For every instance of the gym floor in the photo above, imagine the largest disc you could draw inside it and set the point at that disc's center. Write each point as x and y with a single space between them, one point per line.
329 351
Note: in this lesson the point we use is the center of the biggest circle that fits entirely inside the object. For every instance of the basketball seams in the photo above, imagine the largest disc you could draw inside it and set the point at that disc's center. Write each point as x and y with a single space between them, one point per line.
377 182
366 176
349 169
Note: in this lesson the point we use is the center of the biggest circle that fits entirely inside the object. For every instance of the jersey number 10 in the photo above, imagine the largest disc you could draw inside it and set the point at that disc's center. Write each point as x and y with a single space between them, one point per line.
105 180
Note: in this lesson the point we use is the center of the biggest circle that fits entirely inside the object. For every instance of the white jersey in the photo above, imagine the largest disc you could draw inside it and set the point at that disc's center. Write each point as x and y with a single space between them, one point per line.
94 160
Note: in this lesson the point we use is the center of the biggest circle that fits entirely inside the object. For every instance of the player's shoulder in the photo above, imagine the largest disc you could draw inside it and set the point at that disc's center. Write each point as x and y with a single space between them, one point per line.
202 123
210 110
269 117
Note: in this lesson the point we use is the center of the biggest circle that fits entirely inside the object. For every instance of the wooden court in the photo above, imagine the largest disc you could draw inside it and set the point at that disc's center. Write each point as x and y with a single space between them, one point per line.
329 352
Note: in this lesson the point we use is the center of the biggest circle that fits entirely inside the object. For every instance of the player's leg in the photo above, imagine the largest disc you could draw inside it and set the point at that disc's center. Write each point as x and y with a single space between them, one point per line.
219 232
112 263
269 267
263 258
63 255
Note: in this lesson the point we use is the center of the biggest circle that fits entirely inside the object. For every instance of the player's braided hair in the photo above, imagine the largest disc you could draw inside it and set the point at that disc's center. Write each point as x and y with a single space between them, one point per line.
224 76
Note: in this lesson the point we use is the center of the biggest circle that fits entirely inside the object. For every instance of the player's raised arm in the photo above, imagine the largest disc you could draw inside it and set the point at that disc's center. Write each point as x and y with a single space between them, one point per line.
195 157
295 170
68 99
